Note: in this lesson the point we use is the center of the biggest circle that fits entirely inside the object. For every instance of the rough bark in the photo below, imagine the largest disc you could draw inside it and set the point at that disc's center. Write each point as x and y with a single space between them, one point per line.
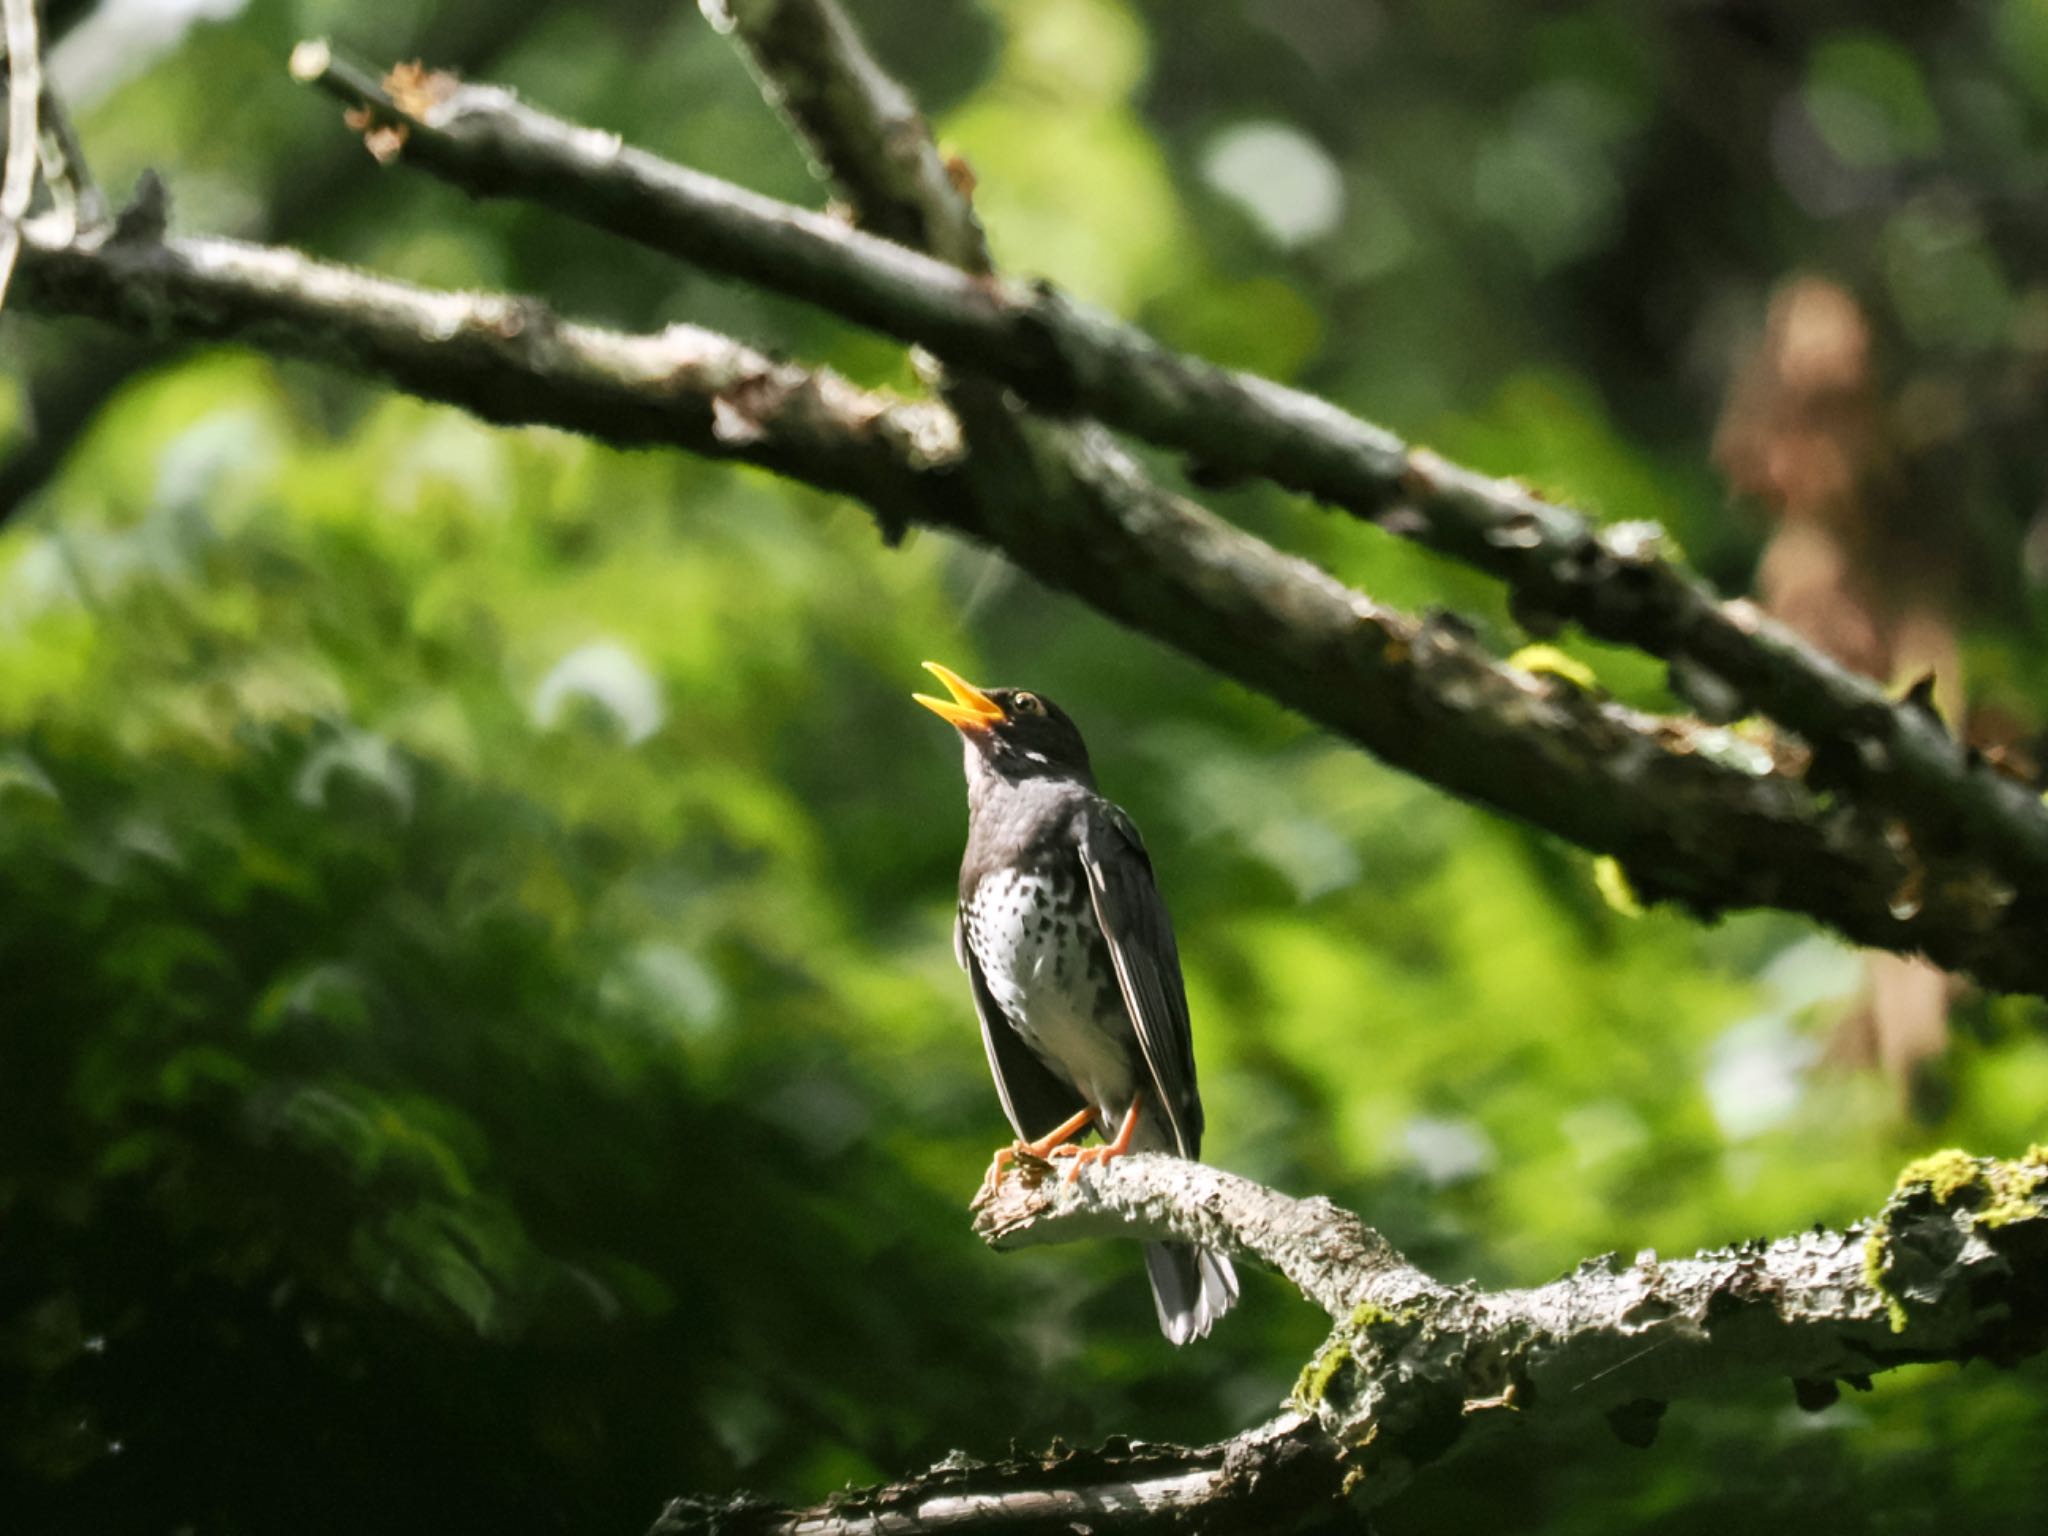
1617 582
1693 812
862 129
65 385
1954 1267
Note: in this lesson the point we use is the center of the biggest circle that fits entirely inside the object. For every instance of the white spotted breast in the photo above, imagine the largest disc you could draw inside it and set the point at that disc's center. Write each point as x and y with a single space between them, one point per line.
1047 968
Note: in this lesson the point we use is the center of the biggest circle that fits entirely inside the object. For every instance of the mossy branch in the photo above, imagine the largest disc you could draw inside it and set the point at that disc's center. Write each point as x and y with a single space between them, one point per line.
1954 1267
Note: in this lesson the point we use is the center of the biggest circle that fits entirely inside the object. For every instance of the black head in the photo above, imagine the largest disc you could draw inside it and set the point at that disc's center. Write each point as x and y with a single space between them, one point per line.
1011 733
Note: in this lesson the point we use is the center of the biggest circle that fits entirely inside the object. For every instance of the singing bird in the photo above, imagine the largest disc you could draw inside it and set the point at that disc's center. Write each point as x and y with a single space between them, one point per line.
1070 954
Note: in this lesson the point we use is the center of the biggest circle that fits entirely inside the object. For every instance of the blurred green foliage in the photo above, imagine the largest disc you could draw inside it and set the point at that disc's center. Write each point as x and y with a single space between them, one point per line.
482 1045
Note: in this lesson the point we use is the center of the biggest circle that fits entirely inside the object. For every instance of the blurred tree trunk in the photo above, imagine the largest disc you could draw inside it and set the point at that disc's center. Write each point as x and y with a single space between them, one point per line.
1864 570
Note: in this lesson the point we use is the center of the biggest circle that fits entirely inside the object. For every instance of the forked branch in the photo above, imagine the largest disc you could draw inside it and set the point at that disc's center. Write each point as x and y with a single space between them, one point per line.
1617 582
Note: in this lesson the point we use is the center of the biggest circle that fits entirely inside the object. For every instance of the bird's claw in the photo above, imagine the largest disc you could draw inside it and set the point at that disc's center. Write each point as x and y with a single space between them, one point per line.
997 1166
1084 1155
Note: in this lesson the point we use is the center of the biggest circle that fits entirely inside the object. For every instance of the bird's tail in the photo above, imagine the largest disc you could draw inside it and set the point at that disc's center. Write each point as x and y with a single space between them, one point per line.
1191 1286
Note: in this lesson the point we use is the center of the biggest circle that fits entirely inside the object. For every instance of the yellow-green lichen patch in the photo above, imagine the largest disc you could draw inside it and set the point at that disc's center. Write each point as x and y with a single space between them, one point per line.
2010 1190
1341 1349
1367 1316
1946 1173
1317 1375
1548 660
1875 1262
1612 882
1993 1192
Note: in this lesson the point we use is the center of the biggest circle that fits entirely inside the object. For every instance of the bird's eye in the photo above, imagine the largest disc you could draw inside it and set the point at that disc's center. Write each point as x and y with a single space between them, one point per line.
1028 704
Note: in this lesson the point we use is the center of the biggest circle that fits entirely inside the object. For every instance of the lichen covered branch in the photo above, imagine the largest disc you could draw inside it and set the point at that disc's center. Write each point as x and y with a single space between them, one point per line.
1332 1257
1955 1267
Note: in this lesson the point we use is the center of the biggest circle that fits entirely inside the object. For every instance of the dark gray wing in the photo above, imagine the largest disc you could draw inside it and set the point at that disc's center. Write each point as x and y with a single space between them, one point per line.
1134 921
1033 1096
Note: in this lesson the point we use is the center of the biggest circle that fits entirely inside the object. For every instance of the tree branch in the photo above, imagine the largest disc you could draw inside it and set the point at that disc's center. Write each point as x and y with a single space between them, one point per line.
1955 1267
1694 812
1333 1258
510 359
65 167
1266 1479
24 106
1616 582
862 129
65 389
866 137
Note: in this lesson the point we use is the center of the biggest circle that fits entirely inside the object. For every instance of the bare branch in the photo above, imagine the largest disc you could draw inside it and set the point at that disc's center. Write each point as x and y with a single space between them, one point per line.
1955 1267
1267 1479
511 359
65 167
1616 582
863 130
305 190
1332 1257
24 103
1696 813
865 136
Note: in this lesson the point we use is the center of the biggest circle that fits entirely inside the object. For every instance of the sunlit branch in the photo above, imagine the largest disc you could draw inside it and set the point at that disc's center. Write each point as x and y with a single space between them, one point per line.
24 107
64 388
65 167
1696 814
1332 1257
861 128
1617 582
510 359
1954 1267
865 136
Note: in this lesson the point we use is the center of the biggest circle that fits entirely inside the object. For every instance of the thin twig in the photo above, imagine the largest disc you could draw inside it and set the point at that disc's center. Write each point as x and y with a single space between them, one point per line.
865 136
65 167
861 127
24 99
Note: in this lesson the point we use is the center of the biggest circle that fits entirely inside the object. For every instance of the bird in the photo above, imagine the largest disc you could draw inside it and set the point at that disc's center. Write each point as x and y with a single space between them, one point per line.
1071 959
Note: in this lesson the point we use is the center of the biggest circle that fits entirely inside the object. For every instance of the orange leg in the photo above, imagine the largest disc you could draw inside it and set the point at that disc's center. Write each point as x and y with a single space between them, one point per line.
1107 1150
1051 1143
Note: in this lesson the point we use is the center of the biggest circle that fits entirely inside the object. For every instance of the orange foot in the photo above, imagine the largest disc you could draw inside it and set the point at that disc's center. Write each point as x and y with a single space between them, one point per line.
1109 1149
1052 1144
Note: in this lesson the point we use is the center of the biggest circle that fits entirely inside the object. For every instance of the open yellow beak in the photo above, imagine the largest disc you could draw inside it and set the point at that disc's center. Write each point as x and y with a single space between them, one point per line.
970 709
